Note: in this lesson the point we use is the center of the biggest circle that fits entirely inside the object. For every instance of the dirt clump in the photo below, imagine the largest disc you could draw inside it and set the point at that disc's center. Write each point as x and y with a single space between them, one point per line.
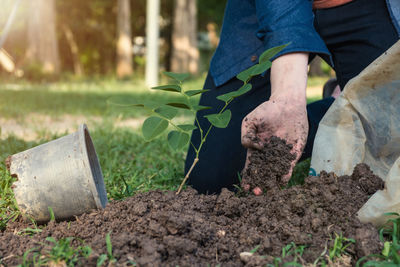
267 166
164 229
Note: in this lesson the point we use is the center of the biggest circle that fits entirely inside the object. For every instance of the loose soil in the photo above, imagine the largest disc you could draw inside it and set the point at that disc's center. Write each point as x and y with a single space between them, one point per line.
164 229
273 161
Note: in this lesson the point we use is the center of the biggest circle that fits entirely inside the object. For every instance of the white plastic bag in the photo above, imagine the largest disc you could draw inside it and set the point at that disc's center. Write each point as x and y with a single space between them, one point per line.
363 126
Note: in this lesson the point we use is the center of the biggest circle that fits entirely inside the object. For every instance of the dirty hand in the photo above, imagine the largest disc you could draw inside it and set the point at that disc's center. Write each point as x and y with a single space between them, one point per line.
279 118
284 115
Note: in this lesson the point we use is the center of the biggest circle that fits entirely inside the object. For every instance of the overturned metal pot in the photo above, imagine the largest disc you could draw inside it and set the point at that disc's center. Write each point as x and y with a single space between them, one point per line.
63 175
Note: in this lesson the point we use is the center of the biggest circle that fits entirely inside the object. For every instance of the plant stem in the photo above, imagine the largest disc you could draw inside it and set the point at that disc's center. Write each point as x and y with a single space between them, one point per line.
202 141
187 175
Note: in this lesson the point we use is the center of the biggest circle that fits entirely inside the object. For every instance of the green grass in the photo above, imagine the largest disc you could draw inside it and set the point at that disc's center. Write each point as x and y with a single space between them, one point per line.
88 98
109 256
97 98
290 250
56 253
130 164
317 81
389 235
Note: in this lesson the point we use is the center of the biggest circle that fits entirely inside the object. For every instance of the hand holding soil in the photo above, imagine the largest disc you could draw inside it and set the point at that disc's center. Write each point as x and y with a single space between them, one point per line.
274 118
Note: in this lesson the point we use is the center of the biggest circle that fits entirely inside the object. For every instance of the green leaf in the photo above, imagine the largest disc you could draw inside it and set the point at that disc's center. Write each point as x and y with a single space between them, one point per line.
138 105
167 112
108 244
200 107
187 127
270 53
153 126
241 91
177 140
129 102
254 250
101 260
244 89
220 120
260 68
169 88
226 97
195 92
386 249
178 105
391 214
52 216
177 76
244 76
120 104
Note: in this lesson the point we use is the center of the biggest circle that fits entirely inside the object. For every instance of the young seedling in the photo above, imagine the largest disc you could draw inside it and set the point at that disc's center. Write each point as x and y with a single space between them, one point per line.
52 216
63 252
163 115
389 235
290 250
109 256
60 253
30 231
340 245
34 260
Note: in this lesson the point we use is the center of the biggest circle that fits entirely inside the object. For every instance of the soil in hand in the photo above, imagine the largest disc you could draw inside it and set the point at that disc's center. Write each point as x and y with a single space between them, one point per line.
164 229
267 166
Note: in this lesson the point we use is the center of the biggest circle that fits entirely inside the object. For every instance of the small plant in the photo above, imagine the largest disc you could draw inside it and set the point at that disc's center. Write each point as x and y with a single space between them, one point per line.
52 216
60 253
163 115
30 231
109 256
290 250
389 234
340 244
8 205
35 260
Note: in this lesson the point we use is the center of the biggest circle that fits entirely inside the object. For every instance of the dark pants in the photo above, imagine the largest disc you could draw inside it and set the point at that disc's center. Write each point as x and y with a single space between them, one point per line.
355 34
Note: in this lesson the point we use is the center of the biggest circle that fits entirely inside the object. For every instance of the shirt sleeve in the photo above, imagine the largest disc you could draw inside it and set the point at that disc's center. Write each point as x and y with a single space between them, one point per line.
289 22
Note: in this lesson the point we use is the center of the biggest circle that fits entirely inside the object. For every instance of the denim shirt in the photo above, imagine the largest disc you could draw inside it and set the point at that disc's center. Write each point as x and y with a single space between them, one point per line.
252 26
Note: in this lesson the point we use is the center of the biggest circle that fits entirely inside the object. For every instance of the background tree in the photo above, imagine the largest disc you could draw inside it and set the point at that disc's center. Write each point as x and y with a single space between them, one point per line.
210 11
124 39
185 53
42 39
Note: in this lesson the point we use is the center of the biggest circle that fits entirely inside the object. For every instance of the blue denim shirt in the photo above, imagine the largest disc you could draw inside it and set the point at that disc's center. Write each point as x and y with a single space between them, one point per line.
252 26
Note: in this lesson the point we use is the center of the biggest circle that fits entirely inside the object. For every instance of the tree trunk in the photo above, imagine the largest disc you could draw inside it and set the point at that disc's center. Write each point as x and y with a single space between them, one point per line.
185 54
124 42
152 42
42 39
78 69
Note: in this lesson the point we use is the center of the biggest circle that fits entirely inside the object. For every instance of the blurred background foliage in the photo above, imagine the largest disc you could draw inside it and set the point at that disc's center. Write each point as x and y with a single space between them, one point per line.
93 25
91 28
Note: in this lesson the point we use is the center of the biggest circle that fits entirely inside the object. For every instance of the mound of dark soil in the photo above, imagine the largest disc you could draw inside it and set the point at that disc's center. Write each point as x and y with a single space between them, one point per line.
163 229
